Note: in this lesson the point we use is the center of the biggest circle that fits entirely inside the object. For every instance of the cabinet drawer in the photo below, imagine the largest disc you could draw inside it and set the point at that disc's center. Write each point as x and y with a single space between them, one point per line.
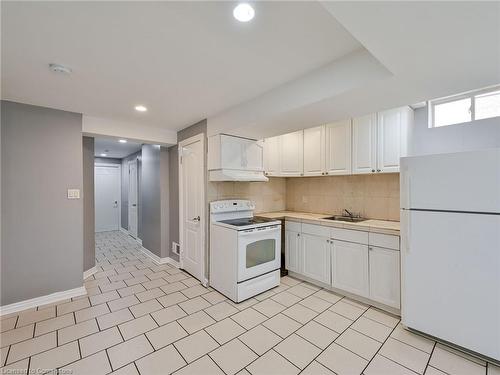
316 230
349 235
293 226
384 240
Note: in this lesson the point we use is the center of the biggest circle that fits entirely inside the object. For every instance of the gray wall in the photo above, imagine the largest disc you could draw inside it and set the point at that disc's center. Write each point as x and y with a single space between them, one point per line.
151 199
42 231
88 204
173 183
165 202
453 138
124 195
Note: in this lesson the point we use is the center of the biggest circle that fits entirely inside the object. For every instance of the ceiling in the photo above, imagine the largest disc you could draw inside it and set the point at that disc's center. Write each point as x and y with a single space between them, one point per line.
430 49
114 149
185 61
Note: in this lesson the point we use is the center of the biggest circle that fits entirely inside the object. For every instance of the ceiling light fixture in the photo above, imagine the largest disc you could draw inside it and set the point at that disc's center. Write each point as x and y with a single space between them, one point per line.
58 68
243 12
140 108
122 141
103 155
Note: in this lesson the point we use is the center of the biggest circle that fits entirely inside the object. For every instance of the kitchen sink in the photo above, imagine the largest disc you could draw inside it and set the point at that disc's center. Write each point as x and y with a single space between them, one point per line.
346 219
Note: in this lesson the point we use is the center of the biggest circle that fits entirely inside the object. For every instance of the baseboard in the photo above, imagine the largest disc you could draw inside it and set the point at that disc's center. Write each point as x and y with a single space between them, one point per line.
159 260
139 241
89 272
43 300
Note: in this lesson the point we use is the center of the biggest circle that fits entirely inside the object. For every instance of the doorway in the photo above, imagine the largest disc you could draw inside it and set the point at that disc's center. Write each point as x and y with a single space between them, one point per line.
192 205
107 196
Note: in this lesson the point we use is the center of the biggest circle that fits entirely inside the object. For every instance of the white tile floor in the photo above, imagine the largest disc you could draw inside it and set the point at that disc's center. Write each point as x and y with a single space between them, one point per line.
143 318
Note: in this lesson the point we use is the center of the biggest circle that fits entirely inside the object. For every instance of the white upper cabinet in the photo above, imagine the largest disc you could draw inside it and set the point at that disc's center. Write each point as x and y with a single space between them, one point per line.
364 144
369 144
292 154
314 151
272 156
392 138
338 148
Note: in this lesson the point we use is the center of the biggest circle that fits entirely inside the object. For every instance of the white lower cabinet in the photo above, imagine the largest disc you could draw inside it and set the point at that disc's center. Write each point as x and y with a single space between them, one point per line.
384 276
292 251
316 257
350 267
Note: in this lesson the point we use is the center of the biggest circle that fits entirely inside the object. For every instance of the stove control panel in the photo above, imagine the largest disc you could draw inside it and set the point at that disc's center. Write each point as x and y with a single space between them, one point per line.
232 205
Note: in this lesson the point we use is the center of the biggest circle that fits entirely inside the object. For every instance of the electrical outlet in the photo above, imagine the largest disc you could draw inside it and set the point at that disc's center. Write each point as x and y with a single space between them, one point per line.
73 193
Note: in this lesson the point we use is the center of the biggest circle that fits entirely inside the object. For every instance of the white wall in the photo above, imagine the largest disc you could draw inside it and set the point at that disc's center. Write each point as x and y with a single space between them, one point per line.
453 138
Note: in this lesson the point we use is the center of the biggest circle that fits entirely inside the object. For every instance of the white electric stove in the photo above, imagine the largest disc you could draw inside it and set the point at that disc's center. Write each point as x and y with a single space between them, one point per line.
245 251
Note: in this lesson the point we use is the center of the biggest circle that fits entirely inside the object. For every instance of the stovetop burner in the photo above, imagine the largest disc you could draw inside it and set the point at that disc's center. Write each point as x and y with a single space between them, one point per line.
246 221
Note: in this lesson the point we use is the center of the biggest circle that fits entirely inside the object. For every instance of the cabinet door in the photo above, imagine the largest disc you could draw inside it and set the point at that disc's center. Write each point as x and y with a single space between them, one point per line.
314 151
385 276
338 148
364 144
292 154
272 156
316 258
389 133
350 267
292 251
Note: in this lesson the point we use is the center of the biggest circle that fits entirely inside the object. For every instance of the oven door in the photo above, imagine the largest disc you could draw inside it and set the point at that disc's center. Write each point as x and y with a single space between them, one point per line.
259 251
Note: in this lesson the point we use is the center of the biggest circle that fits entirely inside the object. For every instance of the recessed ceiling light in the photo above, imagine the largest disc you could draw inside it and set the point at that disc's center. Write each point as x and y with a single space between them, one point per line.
122 141
140 108
58 68
104 154
243 12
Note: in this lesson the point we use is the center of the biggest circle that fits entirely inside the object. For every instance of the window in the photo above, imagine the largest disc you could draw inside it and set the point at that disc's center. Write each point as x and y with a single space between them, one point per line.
457 109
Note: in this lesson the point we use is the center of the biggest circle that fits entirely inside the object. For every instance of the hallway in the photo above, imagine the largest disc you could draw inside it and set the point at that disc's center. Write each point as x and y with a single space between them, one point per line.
140 317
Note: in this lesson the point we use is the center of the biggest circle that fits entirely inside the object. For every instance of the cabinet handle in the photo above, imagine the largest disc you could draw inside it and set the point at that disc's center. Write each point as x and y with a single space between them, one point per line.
323 173
326 172
373 170
378 170
298 234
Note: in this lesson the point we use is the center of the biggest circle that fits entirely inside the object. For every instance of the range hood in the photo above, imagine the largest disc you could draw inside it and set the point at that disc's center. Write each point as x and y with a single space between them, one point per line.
236 175
232 158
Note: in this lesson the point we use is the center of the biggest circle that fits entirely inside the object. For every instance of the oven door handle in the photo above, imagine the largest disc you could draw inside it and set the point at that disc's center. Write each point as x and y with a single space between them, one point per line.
249 232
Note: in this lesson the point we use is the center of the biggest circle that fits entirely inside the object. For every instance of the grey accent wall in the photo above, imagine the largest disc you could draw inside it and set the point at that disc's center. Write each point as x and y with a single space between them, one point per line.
165 202
88 204
42 230
173 183
452 138
151 199
124 195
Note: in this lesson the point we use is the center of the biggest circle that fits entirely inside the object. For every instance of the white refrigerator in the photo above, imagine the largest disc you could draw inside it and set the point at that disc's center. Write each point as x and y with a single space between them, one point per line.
450 241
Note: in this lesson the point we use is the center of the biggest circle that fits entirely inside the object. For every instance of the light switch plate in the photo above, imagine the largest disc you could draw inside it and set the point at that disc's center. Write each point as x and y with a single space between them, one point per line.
73 193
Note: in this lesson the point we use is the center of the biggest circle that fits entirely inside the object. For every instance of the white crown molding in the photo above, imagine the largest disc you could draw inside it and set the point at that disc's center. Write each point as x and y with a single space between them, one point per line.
89 272
158 260
43 300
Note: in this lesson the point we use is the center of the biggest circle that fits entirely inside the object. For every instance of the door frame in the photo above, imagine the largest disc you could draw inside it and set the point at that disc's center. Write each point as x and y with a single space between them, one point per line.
136 161
100 164
203 222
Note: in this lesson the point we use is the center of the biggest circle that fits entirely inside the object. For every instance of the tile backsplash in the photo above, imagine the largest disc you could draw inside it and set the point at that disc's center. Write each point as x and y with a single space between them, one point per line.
371 196
268 196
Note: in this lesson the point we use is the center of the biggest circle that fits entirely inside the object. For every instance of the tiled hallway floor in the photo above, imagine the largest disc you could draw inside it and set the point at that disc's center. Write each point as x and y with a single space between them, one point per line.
139 317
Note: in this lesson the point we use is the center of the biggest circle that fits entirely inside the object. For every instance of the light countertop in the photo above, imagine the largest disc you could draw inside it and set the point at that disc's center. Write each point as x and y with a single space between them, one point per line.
369 225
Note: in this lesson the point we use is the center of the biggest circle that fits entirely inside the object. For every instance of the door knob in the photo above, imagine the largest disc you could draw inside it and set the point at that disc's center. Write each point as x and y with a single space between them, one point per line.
197 218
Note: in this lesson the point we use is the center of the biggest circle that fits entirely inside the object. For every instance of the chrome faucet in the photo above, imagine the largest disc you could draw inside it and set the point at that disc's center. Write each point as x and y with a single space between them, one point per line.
349 213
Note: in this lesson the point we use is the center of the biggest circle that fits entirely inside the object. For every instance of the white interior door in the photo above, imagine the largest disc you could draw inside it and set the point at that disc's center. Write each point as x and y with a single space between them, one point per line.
107 197
191 180
133 198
